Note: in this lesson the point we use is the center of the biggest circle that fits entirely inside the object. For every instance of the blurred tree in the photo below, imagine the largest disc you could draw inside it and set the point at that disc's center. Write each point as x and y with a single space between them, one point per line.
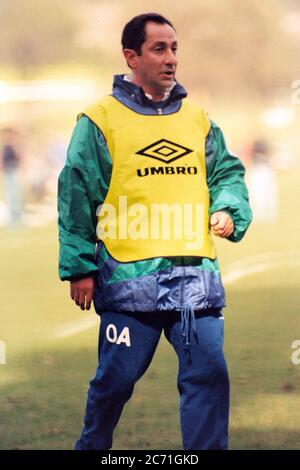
35 32
239 45
226 46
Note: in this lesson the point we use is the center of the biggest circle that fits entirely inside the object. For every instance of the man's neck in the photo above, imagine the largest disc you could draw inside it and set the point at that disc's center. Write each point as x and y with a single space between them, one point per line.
159 95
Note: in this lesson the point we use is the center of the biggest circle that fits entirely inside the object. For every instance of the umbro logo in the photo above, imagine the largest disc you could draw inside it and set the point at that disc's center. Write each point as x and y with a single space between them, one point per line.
165 151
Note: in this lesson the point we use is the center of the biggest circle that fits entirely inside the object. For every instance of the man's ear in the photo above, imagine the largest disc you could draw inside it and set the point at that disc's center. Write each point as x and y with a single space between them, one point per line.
130 56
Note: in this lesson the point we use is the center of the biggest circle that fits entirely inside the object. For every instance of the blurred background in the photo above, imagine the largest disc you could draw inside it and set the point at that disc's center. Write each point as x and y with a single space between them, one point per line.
241 62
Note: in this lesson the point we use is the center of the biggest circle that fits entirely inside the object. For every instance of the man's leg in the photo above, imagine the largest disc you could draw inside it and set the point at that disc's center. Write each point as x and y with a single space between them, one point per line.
127 343
203 382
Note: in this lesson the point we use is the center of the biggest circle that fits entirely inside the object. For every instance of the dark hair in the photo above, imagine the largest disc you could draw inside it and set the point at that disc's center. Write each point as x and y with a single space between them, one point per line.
133 35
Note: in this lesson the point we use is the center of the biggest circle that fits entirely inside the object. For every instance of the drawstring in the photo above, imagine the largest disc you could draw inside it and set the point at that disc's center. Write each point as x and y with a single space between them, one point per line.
188 320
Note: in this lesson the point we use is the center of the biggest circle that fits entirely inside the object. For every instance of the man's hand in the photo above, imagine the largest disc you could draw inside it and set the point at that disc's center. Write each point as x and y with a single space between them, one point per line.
82 292
221 224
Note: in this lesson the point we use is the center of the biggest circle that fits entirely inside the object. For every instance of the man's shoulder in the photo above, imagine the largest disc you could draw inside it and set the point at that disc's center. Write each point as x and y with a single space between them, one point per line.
97 107
193 107
97 111
193 104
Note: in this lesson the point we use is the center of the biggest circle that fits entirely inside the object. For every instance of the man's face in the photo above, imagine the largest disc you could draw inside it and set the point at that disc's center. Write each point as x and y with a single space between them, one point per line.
155 68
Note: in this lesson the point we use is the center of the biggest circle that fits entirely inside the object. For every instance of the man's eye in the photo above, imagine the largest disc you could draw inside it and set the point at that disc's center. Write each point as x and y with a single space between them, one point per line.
158 49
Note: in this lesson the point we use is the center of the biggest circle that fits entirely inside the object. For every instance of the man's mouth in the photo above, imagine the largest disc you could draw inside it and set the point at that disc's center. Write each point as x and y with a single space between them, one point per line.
168 73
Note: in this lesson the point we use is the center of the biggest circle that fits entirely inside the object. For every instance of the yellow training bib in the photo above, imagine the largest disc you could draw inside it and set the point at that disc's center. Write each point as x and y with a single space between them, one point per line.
157 204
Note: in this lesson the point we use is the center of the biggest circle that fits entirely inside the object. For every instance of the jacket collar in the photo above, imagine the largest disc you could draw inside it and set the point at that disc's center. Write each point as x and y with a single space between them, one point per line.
130 90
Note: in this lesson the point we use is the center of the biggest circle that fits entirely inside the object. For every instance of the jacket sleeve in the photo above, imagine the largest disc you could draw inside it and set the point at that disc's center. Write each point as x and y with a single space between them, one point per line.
82 186
225 179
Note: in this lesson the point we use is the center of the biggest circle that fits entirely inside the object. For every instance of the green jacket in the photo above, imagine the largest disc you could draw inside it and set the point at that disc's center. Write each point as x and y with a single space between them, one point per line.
158 283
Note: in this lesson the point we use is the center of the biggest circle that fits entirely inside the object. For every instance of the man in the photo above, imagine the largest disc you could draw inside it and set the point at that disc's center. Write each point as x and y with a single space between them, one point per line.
144 152
10 163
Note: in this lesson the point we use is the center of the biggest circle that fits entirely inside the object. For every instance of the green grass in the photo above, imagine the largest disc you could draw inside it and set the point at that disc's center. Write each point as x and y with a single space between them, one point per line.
44 383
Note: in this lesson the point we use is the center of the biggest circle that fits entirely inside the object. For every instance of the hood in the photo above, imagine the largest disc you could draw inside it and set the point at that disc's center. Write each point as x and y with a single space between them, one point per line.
129 91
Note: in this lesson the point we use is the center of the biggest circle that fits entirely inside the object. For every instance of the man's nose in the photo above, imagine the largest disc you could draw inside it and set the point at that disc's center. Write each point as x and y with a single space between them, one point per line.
171 58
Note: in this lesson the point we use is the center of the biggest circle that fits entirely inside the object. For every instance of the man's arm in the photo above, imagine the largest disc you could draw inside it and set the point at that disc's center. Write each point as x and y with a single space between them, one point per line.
227 188
82 186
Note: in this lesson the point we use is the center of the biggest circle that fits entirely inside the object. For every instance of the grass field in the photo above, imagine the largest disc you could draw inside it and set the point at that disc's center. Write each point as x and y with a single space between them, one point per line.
50 360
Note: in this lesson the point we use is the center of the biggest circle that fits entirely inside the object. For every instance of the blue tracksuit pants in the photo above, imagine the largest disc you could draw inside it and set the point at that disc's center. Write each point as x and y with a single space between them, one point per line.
127 342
